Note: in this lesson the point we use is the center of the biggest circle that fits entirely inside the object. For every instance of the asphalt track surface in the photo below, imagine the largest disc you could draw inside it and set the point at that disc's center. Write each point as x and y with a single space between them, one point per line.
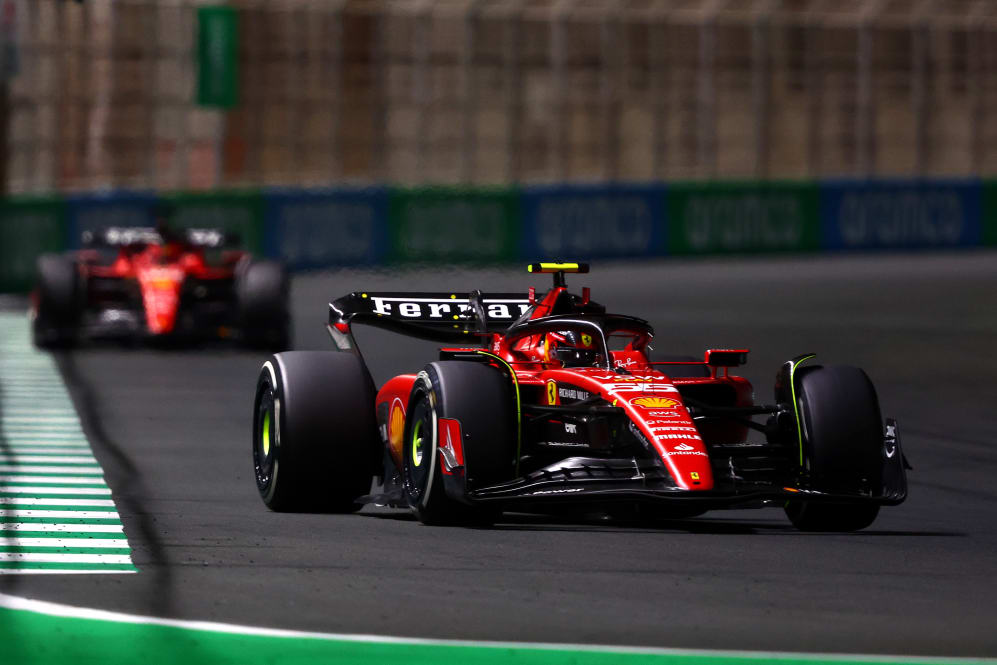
172 431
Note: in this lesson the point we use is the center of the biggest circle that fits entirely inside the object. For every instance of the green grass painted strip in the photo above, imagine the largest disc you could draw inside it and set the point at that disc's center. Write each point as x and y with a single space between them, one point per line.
47 494
56 535
88 476
48 549
62 527
6 517
30 481
56 505
53 565
89 636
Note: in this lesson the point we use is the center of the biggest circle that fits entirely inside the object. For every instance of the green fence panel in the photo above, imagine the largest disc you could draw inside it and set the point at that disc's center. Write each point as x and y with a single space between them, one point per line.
742 217
989 212
218 56
454 224
28 227
236 212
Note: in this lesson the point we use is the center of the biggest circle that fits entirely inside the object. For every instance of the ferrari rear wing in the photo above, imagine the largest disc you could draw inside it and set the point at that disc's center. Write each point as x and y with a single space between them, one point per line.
449 318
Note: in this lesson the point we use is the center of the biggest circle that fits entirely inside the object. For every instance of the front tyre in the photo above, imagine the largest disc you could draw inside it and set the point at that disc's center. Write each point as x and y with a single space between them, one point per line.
842 432
263 291
314 432
59 302
479 398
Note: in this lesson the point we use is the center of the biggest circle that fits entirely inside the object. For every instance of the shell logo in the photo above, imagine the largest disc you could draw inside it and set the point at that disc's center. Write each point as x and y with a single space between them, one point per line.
655 402
396 425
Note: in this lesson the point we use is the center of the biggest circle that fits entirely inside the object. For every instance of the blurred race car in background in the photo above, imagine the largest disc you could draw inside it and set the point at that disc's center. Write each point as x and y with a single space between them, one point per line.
160 284
548 404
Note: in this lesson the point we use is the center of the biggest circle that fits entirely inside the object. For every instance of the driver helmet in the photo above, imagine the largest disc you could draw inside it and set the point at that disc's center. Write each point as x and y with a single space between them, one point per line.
572 348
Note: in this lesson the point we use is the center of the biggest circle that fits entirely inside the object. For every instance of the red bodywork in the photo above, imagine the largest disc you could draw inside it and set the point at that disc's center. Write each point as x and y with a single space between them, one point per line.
160 271
649 396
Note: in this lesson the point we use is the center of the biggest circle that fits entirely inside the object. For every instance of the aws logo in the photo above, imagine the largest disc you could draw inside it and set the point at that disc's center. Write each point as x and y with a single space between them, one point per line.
655 402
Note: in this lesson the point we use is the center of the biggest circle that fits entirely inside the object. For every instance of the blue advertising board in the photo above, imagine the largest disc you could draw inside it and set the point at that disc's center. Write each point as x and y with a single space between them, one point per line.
324 228
93 212
897 214
593 221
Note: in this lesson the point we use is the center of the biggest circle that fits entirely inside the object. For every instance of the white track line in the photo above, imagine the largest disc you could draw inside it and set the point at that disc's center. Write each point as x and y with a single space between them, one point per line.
62 480
62 528
34 501
51 489
55 557
103 543
65 571
61 514
94 471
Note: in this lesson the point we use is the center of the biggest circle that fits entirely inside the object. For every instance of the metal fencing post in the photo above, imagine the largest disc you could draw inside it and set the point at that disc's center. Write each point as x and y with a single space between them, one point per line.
657 73
336 84
558 55
468 94
707 93
864 139
813 64
760 91
610 84
920 37
976 73
512 65
421 93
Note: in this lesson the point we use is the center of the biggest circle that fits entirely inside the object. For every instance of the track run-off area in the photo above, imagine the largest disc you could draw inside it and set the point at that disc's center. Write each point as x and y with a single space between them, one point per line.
170 430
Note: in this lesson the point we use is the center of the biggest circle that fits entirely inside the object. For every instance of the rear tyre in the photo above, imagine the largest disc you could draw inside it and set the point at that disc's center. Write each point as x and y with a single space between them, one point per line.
59 302
314 432
480 398
263 292
842 432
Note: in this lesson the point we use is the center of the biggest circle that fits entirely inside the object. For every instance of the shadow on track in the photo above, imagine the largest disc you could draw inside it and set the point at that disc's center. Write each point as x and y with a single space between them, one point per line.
601 524
129 488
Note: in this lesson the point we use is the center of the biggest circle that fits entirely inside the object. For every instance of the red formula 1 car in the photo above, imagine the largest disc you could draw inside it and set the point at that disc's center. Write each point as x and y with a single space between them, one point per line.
148 284
545 404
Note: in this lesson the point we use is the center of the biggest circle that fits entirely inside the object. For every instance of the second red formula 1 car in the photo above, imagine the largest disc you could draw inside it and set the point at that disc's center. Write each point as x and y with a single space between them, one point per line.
549 403
160 284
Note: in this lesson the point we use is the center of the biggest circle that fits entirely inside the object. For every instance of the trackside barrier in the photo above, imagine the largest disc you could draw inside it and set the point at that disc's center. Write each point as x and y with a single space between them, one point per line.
742 217
316 229
313 229
454 224
93 212
989 213
28 227
239 213
593 221
886 214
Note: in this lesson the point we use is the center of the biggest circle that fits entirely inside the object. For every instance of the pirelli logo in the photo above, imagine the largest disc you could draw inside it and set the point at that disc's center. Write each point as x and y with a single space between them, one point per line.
437 309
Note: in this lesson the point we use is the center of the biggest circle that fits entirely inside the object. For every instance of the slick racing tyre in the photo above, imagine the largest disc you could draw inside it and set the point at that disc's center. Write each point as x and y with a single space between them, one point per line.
480 398
314 433
59 304
263 291
842 432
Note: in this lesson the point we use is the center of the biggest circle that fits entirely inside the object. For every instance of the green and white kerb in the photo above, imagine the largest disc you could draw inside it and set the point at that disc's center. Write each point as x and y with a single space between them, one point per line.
56 511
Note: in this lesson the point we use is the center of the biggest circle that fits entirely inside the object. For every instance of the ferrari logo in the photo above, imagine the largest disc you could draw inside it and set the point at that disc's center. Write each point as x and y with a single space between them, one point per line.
586 340
694 475
551 392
